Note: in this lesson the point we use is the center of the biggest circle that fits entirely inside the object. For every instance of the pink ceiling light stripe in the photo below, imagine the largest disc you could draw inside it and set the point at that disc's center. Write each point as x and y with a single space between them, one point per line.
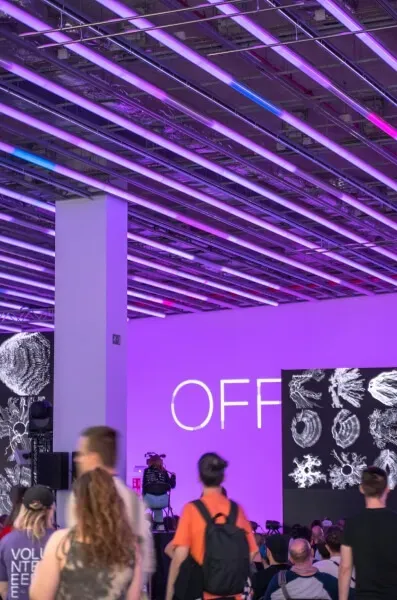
300 63
40 26
343 17
172 214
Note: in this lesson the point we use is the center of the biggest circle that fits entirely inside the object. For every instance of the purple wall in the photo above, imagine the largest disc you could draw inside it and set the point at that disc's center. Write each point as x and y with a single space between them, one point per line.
249 344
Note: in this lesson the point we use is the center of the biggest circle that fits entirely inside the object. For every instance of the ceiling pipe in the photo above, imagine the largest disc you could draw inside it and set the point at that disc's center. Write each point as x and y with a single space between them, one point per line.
49 165
161 95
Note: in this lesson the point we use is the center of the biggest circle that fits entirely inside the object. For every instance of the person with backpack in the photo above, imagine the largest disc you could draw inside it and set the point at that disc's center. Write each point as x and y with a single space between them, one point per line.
213 544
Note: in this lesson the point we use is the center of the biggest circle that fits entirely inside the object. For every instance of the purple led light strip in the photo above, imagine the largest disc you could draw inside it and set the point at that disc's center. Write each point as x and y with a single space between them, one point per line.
90 181
300 63
170 288
33 122
40 26
23 263
119 160
185 52
146 311
17 279
22 198
155 300
343 17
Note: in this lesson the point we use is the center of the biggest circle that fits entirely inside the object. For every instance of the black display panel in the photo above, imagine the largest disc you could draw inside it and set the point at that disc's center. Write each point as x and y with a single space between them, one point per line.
334 423
26 376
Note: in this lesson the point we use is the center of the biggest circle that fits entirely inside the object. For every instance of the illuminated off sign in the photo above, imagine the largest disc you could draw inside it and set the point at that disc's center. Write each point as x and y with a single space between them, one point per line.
224 402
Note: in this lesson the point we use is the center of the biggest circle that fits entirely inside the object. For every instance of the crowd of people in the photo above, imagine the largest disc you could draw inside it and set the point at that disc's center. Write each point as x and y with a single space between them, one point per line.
106 550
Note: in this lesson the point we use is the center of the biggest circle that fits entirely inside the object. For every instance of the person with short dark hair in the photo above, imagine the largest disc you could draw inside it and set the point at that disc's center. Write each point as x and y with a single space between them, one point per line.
303 580
157 484
333 542
274 552
369 543
98 448
189 540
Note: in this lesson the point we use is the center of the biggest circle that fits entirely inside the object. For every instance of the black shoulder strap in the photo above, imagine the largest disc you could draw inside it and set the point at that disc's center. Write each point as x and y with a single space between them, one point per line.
203 510
232 519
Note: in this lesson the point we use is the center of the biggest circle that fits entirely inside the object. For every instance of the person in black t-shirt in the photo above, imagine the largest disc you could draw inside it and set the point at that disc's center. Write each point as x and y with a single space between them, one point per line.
157 483
370 544
277 557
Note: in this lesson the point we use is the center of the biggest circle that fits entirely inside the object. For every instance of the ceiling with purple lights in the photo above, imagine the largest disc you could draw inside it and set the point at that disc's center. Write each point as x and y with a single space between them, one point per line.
254 141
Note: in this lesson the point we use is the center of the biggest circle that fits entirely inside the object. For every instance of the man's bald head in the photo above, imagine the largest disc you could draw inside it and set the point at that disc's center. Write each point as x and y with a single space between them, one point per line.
300 551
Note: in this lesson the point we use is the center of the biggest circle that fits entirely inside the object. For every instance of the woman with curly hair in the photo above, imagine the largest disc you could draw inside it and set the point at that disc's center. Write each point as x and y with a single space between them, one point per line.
99 557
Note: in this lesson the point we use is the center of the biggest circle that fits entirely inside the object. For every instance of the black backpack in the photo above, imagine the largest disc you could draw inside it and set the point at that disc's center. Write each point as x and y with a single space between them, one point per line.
226 565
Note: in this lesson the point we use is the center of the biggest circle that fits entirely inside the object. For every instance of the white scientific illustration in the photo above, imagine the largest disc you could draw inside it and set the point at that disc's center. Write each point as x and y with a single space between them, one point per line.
347 385
302 397
25 363
307 471
387 460
383 427
383 387
14 420
346 428
346 472
311 431
13 476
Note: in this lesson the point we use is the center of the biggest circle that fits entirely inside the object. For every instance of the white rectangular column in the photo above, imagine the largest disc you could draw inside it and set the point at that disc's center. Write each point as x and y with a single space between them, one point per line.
90 319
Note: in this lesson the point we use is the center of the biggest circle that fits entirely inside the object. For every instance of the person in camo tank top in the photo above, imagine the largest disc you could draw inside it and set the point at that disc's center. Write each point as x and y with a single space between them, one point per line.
97 558
22 549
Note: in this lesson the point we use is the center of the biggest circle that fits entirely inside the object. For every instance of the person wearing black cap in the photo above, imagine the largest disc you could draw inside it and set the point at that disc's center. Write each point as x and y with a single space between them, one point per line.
275 553
23 548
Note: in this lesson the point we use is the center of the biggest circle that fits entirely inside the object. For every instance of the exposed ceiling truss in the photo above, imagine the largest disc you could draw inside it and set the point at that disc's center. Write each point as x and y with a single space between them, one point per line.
254 140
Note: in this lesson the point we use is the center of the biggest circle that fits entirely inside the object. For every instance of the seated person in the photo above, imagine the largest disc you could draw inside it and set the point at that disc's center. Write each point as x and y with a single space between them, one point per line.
275 554
303 580
157 482
333 542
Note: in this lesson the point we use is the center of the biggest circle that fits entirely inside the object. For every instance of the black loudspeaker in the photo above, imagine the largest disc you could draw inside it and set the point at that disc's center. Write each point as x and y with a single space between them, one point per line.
53 470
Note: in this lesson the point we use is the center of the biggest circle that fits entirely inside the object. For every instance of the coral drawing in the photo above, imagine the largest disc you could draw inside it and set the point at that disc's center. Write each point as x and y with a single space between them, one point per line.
307 472
25 363
346 428
383 427
383 387
387 460
302 397
13 476
346 472
311 428
347 385
14 419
